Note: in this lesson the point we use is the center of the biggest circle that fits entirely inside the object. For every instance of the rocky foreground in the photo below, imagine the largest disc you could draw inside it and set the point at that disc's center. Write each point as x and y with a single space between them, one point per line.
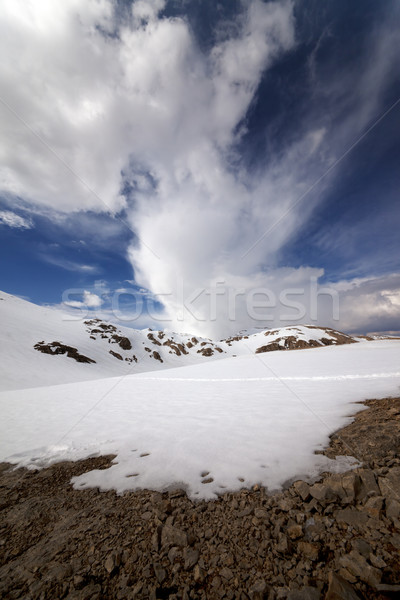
337 539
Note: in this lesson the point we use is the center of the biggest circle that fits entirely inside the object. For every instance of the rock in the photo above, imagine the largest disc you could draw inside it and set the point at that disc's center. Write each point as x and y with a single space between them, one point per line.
173 536
198 574
295 531
112 563
226 573
285 504
358 566
390 485
351 484
302 489
261 513
351 516
377 561
191 557
259 590
309 550
386 588
392 508
282 546
368 486
339 589
173 554
374 506
322 492
159 572
362 547
306 593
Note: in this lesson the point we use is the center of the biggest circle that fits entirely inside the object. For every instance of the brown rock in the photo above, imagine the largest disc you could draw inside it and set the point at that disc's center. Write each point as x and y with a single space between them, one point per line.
191 556
259 590
309 550
302 489
173 536
306 593
295 531
358 566
339 589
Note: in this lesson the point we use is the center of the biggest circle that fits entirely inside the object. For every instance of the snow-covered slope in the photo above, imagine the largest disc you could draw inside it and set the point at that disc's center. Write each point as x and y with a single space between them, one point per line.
43 346
211 427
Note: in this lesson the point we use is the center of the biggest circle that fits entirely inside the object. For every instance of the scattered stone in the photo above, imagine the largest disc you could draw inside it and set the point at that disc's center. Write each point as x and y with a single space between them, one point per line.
340 542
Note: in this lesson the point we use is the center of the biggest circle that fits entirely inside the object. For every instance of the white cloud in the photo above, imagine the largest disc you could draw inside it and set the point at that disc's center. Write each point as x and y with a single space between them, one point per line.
370 303
11 219
149 109
89 300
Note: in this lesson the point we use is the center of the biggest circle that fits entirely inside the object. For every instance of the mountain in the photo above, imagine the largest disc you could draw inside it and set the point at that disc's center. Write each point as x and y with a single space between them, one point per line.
46 346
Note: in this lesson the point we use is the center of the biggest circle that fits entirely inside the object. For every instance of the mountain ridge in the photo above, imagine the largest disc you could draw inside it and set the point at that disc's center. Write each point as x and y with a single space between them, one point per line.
42 345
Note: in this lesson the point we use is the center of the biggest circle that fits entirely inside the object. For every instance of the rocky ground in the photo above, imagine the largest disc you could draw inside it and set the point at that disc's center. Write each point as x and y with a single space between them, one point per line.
337 539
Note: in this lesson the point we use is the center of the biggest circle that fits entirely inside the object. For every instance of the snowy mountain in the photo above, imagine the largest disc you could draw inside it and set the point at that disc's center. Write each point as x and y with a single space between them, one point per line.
45 346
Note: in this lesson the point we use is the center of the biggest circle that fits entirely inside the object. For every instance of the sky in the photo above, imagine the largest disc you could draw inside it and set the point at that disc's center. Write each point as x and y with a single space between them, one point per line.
203 166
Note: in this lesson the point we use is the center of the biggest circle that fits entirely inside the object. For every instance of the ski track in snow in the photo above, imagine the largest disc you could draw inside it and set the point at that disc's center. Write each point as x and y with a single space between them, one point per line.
276 378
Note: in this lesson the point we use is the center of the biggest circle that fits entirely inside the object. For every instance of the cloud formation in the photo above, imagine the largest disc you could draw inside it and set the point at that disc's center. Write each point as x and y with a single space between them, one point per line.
11 219
103 114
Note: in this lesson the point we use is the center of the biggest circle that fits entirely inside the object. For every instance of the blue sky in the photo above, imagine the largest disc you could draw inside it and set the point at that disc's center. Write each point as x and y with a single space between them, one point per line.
183 141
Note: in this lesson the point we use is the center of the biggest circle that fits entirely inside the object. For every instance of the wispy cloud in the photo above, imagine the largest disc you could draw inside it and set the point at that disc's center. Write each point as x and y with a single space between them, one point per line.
11 219
69 265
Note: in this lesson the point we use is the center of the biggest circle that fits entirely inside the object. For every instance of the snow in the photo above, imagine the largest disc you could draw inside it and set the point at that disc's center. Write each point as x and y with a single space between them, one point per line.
259 418
24 324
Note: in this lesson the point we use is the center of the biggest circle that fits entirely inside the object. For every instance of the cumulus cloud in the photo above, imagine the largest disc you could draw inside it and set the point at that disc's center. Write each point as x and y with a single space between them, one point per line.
11 219
101 114
89 300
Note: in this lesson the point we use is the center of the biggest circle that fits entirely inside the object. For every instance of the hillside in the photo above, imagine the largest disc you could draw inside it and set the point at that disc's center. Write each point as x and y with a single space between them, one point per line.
45 346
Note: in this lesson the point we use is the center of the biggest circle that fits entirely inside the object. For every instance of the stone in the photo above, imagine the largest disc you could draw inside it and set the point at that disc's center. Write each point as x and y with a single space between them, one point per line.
377 561
306 593
191 556
302 489
295 531
111 563
173 536
374 506
362 547
351 484
358 566
159 572
282 546
322 492
351 516
198 574
226 573
261 513
392 508
173 554
285 504
390 485
387 588
309 550
368 484
339 589
259 590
